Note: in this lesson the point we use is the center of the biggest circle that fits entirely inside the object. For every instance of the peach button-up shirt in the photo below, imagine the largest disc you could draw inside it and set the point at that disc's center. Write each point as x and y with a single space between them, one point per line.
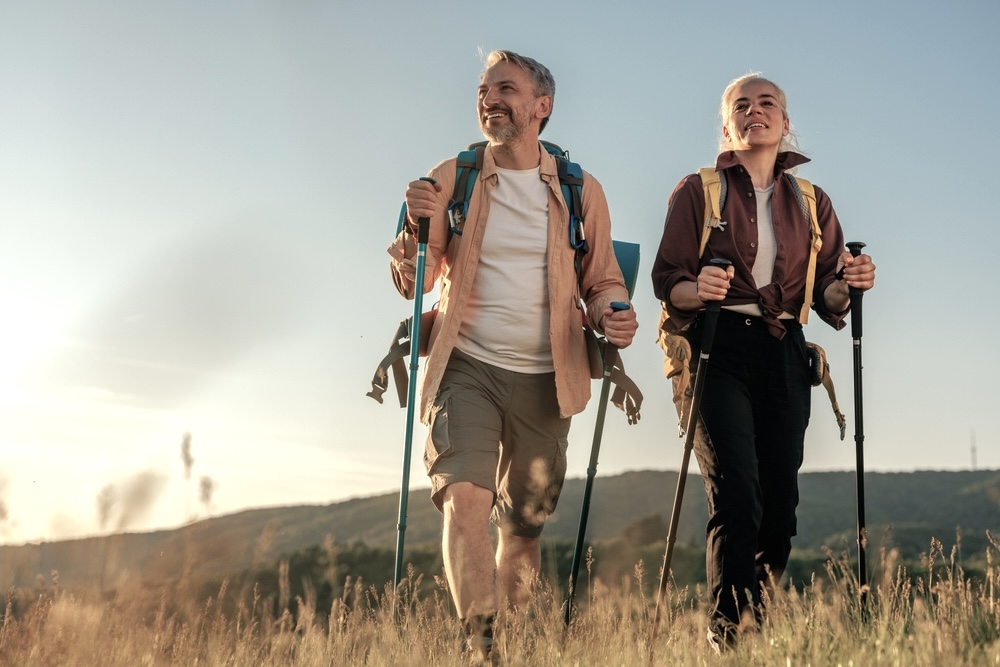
453 262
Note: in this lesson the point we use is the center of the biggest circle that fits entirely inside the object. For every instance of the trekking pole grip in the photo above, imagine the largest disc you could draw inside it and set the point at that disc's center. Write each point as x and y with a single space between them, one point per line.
610 349
856 293
424 224
712 309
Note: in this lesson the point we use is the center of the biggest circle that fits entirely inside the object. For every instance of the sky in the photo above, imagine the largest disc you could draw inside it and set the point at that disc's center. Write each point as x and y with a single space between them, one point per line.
196 199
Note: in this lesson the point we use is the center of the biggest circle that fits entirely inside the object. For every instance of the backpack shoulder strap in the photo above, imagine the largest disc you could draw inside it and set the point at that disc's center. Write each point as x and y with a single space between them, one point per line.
468 164
713 184
571 183
806 195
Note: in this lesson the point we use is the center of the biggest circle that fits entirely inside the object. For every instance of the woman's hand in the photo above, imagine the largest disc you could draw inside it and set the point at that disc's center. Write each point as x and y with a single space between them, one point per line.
855 272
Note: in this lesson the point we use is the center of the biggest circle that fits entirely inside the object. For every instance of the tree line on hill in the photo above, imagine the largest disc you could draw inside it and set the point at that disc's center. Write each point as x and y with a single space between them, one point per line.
342 549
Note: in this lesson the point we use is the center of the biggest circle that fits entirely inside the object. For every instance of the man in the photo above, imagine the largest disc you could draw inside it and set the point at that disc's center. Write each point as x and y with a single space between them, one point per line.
507 364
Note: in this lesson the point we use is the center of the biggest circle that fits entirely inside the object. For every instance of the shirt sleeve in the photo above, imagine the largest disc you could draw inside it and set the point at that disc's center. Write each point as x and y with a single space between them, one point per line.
601 278
826 262
404 246
677 256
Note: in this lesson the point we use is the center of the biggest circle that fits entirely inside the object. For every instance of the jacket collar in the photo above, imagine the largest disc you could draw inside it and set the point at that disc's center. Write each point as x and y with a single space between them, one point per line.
786 160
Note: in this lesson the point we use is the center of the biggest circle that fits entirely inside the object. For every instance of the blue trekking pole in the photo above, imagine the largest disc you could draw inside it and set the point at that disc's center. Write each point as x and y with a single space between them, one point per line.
859 430
609 357
712 309
423 231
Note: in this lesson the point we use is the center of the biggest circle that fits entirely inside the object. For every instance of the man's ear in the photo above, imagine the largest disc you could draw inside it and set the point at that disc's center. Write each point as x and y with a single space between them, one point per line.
544 108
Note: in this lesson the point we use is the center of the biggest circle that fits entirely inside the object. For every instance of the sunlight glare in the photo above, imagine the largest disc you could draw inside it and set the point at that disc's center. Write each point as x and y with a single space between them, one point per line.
30 329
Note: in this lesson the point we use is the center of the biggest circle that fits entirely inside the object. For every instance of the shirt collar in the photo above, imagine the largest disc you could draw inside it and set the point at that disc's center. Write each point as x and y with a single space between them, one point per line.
547 168
786 160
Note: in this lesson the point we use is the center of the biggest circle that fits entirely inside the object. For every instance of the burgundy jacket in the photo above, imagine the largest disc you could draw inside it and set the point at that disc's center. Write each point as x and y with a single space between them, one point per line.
677 257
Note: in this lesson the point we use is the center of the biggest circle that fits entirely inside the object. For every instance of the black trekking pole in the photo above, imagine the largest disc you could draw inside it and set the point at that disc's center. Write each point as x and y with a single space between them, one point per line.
712 309
609 357
423 231
859 431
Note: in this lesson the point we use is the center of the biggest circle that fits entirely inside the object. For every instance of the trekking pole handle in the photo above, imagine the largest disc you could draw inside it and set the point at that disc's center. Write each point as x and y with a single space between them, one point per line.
716 306
856 293
424 224
611 350
855 248
712 309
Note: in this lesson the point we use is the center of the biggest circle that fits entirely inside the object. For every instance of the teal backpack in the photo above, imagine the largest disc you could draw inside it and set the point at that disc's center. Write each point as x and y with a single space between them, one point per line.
469 163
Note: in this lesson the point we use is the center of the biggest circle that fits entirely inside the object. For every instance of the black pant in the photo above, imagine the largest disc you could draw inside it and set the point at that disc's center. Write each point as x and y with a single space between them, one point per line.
749 445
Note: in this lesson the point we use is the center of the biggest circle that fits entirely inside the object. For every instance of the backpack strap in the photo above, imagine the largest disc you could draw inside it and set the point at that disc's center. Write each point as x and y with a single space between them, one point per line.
399 353
626 395
806 195
468 164
821 376
714 186
571 183
399 350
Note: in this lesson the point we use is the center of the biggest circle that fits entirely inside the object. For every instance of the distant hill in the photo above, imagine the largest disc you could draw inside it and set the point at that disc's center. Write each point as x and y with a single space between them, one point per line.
907 508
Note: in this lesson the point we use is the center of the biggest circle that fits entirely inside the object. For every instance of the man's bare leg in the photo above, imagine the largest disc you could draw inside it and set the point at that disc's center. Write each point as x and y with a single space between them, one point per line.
467 549
519 560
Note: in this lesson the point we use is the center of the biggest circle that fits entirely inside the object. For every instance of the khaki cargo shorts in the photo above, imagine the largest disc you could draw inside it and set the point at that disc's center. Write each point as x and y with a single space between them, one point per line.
500 430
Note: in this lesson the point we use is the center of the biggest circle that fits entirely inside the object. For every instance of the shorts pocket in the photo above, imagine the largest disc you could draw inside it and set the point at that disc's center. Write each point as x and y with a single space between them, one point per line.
438 445
557 471
547 494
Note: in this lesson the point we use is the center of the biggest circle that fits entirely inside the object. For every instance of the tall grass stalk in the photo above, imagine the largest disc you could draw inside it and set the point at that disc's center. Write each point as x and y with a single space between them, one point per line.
932 617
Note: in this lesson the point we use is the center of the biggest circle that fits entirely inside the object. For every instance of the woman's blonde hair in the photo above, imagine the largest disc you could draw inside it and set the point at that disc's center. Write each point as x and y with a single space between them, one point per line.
788 143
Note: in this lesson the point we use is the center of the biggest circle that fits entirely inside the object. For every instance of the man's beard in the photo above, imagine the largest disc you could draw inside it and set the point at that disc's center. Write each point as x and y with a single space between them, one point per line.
506 132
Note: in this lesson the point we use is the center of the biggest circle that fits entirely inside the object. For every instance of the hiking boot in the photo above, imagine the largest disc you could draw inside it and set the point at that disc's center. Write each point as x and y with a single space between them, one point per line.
479 639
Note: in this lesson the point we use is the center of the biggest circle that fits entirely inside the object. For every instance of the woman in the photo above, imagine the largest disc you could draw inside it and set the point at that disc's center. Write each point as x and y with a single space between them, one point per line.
755 406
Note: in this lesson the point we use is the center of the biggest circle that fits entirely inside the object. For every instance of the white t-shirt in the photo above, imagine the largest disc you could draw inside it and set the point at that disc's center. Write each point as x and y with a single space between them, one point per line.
506 321
767 250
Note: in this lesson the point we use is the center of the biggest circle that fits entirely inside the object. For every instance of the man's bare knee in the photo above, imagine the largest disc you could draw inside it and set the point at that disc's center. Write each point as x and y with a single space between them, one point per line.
465 501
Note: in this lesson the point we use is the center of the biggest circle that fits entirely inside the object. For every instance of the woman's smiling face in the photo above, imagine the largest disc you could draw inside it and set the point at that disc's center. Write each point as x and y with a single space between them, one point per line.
756 116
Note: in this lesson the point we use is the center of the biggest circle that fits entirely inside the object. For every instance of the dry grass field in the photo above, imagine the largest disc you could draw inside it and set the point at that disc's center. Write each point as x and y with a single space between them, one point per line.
932 617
